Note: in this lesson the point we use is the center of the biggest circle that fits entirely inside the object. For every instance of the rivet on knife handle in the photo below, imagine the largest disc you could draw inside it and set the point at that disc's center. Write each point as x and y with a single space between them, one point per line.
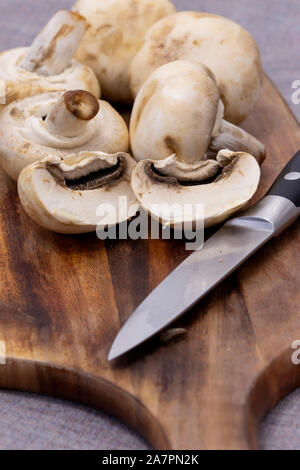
288 182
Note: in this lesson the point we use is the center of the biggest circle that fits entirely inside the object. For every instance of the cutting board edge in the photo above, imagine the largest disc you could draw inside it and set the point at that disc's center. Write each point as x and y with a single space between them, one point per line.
53 380
71 384
279 378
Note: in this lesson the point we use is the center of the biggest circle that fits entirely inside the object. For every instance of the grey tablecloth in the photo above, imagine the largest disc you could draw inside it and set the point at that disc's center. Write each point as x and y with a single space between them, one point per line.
31 422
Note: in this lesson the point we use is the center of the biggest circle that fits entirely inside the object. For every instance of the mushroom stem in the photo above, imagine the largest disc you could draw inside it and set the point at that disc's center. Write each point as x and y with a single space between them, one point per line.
71 113
54 47
236 139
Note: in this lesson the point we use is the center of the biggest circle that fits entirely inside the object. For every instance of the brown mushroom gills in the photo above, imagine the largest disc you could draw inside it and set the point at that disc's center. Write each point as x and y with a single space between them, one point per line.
89 177
158 177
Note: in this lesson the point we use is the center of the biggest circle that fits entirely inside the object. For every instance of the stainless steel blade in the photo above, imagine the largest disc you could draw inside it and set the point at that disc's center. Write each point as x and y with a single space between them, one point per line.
193 279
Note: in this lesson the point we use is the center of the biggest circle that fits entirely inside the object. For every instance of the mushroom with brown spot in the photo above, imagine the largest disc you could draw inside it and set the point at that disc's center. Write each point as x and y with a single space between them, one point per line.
48 64
221 44
116 32
72 195
58 124
179 110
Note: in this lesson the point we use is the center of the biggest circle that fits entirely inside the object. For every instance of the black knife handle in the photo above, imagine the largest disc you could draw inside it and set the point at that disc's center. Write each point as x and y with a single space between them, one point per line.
288 182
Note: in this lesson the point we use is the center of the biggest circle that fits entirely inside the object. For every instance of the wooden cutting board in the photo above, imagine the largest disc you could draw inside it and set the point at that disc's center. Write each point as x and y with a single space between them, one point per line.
63 299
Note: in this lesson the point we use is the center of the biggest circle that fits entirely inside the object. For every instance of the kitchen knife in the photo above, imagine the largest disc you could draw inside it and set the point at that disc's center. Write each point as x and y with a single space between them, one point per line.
227 249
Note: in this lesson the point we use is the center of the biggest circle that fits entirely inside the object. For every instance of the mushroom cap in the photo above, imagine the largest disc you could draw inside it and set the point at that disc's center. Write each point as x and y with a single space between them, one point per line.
25 138
115 34
221 44
64 195
175 111
221 198
17 82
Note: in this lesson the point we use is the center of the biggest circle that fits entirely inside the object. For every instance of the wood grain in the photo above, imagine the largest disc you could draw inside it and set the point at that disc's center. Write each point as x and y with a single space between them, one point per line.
63 299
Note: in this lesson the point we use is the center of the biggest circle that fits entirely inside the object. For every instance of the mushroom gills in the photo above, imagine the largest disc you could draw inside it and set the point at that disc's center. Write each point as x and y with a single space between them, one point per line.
169 172
91 176
158 176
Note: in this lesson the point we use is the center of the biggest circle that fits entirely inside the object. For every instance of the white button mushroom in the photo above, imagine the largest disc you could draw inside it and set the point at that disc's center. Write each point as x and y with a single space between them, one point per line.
58 124
115 34
80 193
178 111
48 64
224 46
175 203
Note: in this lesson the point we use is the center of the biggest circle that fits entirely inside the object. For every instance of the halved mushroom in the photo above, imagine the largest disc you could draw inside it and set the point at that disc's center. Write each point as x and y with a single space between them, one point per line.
58 124
48 64
116 32
223 45
178 110
80 193
175 202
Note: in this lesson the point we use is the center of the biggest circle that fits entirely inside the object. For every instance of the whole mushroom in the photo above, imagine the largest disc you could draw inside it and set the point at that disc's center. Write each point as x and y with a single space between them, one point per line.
47 65
116 32
58 124
80 193
187 152
221 44
178 111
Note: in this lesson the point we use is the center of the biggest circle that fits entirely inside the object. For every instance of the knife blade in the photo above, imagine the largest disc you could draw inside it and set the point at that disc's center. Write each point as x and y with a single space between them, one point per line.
203 270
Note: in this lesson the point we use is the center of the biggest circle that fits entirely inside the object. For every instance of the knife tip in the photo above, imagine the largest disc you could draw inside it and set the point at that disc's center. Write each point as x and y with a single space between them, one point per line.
120 347
125 341
112 354
117 349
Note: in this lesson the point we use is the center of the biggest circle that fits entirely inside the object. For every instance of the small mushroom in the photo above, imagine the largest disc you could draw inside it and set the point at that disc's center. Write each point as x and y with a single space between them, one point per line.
58 124
178 110
47 65
115 34
221 44
64 195
167 198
